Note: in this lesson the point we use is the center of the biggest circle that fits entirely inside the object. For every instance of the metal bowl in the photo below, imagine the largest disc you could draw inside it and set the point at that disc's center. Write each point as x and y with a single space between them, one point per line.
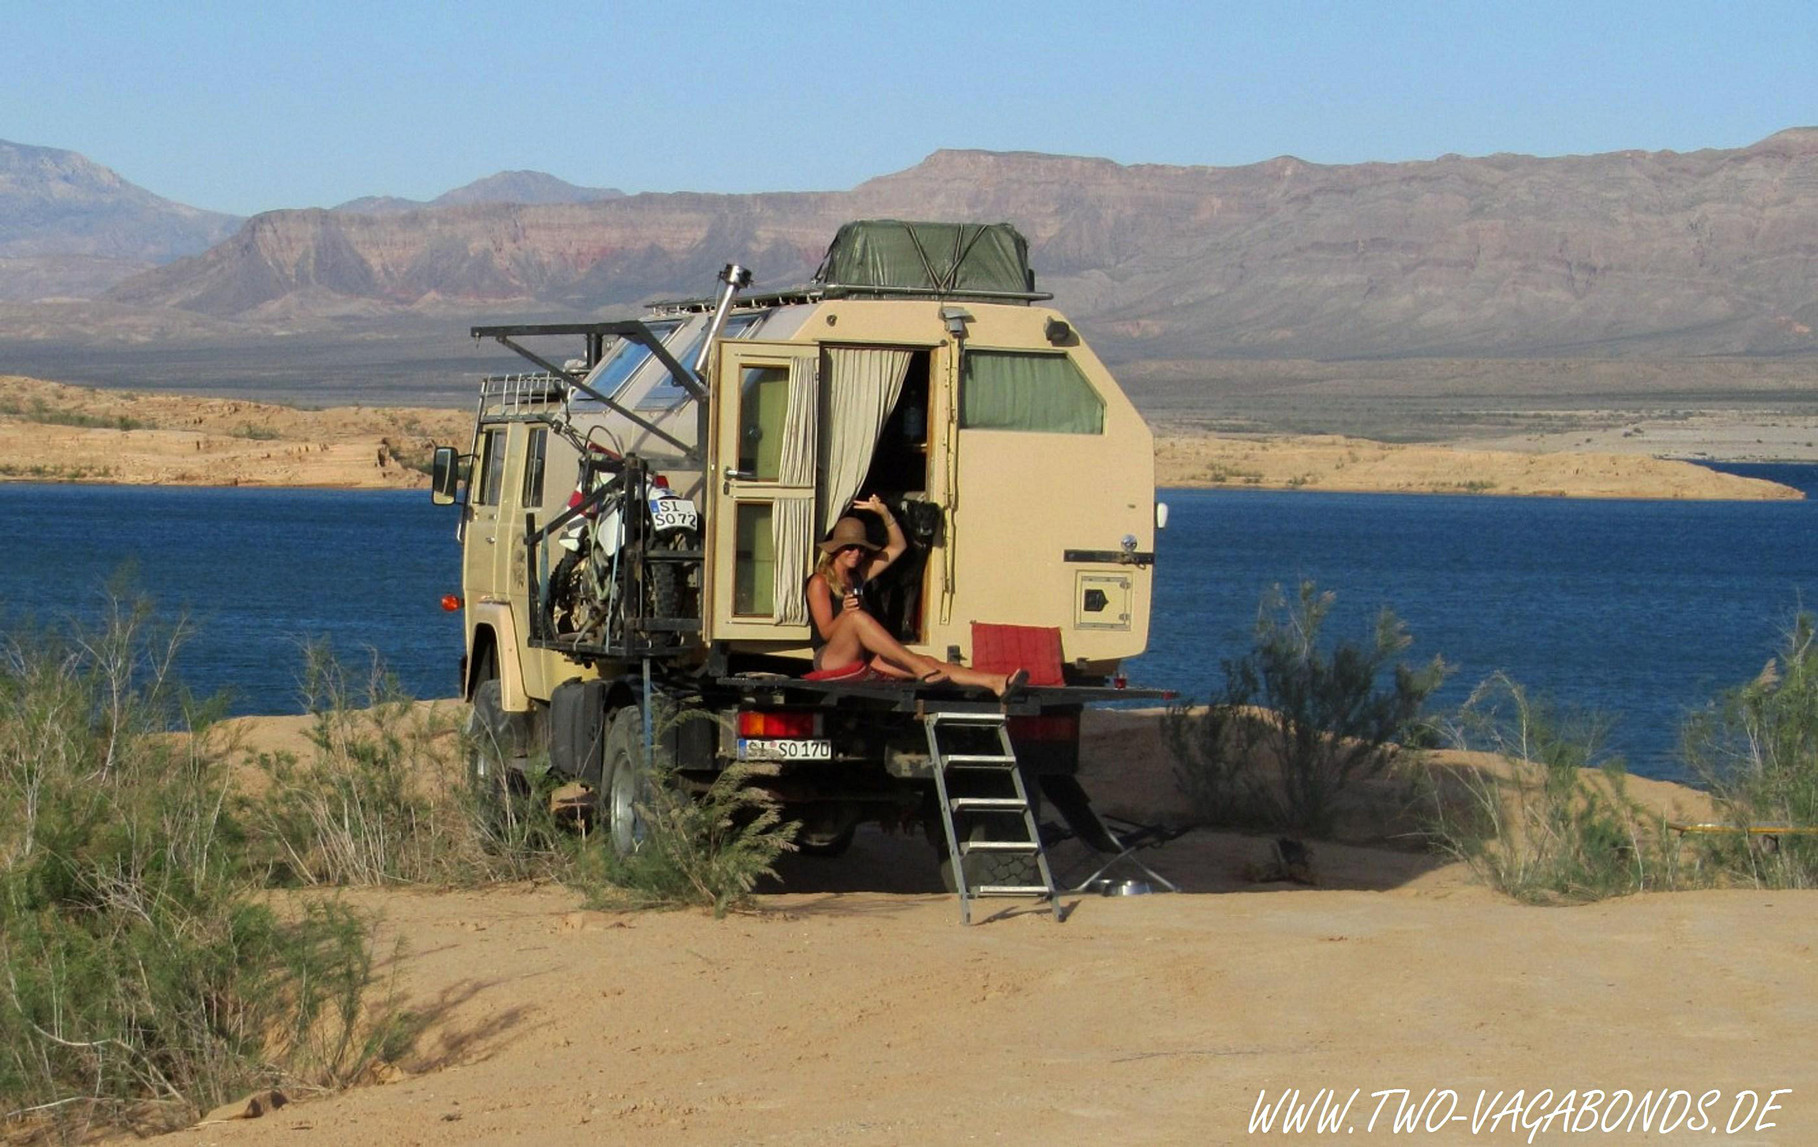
1122 887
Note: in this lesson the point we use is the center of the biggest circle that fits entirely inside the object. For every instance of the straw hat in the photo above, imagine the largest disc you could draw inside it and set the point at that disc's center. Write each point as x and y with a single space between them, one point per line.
848 532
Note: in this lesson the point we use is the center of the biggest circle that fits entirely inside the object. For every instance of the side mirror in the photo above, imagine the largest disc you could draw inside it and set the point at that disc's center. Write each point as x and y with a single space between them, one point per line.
444 476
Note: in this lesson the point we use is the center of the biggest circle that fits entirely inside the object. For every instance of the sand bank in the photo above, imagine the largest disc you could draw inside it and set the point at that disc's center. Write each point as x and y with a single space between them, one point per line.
54 432
1356 465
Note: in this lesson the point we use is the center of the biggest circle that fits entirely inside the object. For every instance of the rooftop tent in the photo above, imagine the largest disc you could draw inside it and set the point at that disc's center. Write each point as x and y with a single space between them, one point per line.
889 256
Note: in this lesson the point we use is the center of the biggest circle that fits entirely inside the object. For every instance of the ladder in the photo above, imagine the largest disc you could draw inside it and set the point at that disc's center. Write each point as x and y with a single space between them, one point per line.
984 805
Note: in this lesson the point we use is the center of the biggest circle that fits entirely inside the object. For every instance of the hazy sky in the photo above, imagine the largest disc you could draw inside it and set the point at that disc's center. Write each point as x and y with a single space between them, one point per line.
249 105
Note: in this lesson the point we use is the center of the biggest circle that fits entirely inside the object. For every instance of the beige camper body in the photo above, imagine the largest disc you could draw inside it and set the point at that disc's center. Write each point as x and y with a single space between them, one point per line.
1021 473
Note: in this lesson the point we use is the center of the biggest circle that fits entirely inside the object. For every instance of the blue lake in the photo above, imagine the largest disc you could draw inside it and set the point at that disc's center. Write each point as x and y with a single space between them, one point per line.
258 572
1637 609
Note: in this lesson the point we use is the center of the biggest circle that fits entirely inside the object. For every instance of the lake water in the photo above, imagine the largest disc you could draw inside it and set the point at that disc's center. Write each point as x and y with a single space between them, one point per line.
258 572
1637 609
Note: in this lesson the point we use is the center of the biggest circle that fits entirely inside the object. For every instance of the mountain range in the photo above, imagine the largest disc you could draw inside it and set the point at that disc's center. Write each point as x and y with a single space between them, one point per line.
1624 254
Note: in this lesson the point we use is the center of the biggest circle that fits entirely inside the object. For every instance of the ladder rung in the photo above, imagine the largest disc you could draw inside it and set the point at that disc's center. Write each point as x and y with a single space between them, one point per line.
978 759
1009 890
970 846
979 804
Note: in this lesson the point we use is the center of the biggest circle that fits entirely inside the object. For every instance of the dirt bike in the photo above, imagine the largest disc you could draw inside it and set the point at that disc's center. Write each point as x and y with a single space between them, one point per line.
595 585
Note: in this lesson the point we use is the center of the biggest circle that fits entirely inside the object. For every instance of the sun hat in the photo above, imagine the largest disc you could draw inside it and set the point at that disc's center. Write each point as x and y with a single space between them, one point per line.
848 532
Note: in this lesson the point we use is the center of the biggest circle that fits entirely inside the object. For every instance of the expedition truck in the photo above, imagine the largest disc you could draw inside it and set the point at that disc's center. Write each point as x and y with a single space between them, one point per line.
638 524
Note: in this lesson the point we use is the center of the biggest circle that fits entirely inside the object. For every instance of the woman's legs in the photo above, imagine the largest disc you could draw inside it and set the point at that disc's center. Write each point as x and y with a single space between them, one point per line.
856 633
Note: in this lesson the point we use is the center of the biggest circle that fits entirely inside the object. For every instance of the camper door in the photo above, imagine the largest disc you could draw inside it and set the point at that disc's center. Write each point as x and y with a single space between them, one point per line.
763 529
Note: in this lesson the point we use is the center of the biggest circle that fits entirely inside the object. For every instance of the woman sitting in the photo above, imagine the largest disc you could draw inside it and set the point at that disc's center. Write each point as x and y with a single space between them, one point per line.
846 636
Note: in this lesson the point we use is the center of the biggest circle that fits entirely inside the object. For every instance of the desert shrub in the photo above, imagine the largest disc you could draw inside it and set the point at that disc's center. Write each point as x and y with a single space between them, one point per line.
1297 723
380 799
1756 747
142 980
1555 824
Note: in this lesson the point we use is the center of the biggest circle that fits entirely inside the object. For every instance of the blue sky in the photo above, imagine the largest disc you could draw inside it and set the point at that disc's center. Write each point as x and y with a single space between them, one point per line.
246 107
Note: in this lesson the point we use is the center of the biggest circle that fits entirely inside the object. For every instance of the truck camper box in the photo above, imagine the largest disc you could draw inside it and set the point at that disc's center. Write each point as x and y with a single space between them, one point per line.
641 515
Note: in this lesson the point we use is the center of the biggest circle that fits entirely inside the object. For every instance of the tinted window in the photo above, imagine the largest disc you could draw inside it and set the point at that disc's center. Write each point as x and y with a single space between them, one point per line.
624 361
492 467
533 467
1010 390
668 392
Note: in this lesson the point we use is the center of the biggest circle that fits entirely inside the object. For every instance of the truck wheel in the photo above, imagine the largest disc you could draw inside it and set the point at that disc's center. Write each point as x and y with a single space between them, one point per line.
495 751
626 788
985 867
989 867
831 847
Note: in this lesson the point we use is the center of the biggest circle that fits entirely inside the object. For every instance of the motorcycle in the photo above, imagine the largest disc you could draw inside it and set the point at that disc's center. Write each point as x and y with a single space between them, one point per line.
607 560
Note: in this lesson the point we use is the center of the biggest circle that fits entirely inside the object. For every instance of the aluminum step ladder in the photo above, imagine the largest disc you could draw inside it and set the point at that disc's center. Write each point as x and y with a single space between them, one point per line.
984 805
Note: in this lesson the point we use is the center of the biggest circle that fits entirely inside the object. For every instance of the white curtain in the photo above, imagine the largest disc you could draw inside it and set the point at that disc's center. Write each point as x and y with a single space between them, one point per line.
863 386
792 520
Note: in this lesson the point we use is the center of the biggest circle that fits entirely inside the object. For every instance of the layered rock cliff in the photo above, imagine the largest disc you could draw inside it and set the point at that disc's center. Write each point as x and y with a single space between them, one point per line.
1709 252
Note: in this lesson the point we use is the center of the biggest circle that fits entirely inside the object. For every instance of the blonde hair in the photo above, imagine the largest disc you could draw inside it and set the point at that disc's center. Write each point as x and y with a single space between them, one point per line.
824 569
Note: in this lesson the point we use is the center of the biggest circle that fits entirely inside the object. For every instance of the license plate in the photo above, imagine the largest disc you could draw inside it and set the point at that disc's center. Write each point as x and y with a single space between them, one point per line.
673 514
767 750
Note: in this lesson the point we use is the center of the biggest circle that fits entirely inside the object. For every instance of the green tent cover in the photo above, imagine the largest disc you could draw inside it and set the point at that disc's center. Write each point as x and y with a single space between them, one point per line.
943 259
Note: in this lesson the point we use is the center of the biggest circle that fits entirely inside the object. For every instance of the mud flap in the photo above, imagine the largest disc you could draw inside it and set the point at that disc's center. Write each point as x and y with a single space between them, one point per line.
577 729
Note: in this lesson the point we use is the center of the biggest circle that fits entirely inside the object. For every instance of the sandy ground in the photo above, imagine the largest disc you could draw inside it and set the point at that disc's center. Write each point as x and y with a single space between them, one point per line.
54 432
852 1006
1734 436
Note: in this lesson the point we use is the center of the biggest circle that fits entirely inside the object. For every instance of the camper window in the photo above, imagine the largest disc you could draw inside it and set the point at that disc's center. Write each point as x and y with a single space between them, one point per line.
623 362
754 566
763 402
668 392
1010 390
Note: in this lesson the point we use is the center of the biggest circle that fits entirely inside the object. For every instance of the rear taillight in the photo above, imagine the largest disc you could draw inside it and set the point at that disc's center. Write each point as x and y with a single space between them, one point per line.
776 723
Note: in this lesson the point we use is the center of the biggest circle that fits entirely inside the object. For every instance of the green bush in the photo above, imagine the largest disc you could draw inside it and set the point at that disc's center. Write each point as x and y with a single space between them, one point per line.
1556 824
1756 747
379 798
142 980
1296 724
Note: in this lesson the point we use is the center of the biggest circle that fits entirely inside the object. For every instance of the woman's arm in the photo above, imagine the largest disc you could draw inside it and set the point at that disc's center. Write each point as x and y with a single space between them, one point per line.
820 606
895 544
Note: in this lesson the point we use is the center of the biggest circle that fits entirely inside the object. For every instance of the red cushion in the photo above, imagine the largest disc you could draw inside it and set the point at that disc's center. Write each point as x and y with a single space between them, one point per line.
857 671
1002 648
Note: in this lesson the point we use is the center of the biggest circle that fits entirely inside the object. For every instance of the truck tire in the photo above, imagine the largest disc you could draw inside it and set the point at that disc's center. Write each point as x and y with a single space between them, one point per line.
985 867
495 746
831 847
626 787
989 867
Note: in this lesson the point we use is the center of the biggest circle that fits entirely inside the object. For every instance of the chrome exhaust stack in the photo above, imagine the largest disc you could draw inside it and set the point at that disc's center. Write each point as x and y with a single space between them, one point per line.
736 279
